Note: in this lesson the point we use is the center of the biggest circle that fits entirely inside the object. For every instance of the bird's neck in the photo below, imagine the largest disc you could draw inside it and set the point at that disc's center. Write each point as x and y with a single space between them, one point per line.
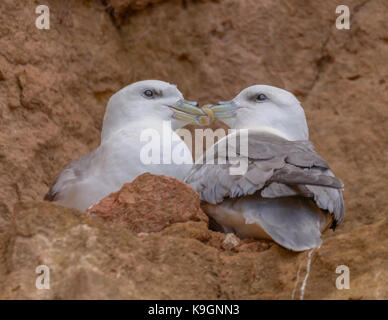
262 126
136 127
270 130
287 130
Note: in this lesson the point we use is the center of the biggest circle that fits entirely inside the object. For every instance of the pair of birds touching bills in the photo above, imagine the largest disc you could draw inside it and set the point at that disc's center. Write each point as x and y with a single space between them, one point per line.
287 192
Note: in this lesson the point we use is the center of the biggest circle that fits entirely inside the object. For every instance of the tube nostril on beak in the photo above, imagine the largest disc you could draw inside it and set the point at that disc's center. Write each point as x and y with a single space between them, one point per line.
193 103
191 112
224 109
188 107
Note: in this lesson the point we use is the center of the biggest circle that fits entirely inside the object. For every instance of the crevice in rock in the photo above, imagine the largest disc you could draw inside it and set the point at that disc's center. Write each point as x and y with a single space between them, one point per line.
322 63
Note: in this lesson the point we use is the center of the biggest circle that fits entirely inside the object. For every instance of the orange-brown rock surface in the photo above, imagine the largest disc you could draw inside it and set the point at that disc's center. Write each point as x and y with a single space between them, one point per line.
150 203
54 85
89 258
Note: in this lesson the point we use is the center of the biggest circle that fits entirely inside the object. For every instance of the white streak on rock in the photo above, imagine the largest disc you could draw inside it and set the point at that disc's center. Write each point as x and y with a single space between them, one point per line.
296 282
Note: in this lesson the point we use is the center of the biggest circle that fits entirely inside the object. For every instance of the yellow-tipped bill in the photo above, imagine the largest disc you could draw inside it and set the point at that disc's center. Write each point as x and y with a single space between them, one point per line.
189 111
223 110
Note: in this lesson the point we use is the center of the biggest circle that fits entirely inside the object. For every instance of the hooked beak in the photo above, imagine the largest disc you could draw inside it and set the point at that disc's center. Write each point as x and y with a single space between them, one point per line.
224 109
189 111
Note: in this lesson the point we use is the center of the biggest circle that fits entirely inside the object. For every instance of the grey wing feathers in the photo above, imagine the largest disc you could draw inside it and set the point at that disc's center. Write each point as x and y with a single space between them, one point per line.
294 175
51 194
276 168
65 177
331 200
71 173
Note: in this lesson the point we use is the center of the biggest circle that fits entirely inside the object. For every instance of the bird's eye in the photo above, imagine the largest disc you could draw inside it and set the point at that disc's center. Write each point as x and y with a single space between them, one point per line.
261 97
148 93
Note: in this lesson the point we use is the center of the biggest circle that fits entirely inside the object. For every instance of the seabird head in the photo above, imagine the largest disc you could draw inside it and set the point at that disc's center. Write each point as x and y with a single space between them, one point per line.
149 99
262 106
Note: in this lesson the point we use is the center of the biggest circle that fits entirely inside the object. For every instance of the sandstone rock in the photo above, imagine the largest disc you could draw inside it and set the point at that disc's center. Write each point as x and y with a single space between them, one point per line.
53 90
121 8
92 259
219 128
230 241
150 203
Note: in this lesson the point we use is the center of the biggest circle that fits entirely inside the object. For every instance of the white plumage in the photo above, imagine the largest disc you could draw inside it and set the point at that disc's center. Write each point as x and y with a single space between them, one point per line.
288 193
141 106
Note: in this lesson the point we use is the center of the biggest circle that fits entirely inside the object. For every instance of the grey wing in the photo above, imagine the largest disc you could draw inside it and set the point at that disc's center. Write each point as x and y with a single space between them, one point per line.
71 173
275 167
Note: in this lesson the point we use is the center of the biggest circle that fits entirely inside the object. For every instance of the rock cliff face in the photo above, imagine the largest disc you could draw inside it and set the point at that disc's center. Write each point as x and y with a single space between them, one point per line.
90 257
150 204
54 85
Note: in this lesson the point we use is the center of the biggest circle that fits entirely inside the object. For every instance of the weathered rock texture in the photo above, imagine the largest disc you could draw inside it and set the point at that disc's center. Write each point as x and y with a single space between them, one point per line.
54 85
89 258
149 204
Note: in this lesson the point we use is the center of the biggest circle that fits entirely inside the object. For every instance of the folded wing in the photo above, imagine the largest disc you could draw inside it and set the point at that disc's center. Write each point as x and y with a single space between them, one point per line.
276 169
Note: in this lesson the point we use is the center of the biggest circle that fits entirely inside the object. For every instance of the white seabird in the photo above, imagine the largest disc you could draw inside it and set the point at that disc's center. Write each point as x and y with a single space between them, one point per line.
144 105
288 193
